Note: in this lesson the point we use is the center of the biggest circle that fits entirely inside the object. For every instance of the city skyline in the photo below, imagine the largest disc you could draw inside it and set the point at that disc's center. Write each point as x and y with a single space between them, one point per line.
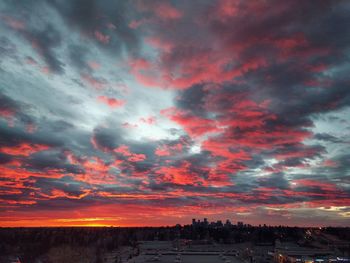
151 113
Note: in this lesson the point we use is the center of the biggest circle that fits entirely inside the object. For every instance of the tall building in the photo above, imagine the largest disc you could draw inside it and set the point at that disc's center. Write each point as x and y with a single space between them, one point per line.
206 221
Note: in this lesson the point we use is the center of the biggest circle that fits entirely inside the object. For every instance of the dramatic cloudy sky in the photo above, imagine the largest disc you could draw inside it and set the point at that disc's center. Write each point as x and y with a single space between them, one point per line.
151 112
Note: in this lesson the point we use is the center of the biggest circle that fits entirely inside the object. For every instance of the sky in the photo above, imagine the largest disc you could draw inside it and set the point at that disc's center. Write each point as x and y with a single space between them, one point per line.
154 112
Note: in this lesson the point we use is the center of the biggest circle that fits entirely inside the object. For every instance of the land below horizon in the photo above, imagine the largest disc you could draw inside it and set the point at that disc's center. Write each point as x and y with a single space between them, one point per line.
198 241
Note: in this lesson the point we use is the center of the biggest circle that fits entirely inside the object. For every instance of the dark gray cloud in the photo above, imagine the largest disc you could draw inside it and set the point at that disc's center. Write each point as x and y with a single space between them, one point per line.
49 160
5 158
110 19
44 41
327 137
8 106
276 180
14 137
78 57
7 48
106 139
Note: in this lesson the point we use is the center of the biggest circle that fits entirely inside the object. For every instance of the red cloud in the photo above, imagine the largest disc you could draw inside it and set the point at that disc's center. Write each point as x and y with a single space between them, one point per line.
96 171
145 72
101 37
13 171
330 163
95 164
17 202
162 9
193 125
123 149
179 174
228 56
7 113
162 152
57 193
193 68
327 187
167 11
166 150
227 9
137 23
159 43
23 149
111 102
137 157
132 157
